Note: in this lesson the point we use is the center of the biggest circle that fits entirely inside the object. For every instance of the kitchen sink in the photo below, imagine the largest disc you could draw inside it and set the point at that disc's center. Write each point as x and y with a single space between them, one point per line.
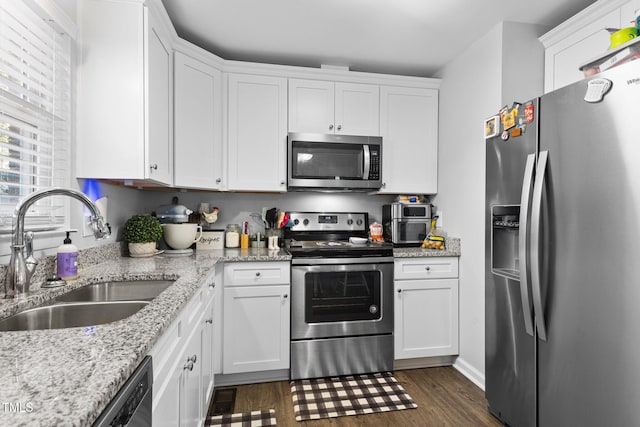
117 291
59 316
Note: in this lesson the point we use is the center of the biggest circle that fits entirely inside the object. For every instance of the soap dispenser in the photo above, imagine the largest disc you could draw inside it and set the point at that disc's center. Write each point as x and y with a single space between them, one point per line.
67 259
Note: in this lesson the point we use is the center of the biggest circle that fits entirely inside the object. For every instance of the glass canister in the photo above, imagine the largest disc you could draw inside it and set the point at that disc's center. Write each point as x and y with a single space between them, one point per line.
232 236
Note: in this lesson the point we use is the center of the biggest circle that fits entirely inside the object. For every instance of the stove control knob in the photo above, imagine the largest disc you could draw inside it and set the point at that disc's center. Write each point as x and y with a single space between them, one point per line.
305 222
359 222
296 221
349 221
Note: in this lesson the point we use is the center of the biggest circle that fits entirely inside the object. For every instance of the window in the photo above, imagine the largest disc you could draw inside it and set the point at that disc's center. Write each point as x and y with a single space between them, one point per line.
35 113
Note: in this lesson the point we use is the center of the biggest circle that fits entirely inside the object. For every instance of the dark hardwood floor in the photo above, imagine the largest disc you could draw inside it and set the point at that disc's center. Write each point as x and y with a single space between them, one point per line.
444 397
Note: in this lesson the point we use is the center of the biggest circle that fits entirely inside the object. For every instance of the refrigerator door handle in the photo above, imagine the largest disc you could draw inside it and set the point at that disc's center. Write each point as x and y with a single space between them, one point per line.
536 214
523 244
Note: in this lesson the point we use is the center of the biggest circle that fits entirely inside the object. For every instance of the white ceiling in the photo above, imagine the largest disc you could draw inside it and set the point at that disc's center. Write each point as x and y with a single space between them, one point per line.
408 37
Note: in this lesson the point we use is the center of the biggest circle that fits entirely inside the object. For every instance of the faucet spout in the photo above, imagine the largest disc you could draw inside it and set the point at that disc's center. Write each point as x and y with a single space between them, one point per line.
19 271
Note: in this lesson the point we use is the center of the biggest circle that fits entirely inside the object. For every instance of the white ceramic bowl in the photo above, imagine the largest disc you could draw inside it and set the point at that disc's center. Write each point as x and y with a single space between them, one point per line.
181 236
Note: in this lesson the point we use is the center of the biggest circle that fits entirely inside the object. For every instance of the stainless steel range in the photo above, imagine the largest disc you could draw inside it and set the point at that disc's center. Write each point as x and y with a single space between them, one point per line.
341 296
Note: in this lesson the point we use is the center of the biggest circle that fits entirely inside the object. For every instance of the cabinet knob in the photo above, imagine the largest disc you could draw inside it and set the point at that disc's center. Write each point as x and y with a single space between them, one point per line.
384 184
285 296
218 180
399 291
192 359
282 183
339 127
330 127
154 166
209 321
257 274
212 285
428 268
188 366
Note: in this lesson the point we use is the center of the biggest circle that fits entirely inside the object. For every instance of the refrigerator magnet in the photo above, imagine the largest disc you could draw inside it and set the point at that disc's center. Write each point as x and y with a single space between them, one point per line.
505 135
528 112
491 127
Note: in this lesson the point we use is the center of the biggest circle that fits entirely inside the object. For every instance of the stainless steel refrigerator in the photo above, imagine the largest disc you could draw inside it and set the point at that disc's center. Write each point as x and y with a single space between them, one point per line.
563 259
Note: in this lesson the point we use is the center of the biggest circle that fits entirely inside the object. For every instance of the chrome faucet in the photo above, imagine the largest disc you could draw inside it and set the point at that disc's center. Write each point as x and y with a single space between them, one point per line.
20 269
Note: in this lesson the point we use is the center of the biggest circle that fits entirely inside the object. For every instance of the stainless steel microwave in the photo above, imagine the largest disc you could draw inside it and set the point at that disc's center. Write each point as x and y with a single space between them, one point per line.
338 162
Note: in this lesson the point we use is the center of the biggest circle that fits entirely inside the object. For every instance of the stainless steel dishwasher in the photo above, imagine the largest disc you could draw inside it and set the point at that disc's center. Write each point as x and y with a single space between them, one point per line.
131 407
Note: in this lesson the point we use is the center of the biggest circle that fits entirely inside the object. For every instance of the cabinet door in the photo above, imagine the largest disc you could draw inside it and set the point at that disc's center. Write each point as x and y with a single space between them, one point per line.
256 329
191 404
257 133
166 401
207 354
579 46
409 129
357 109
311 106
426 318
159 82
197 124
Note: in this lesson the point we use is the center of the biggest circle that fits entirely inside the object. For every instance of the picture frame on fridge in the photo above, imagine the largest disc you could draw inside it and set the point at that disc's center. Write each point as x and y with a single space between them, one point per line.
491 127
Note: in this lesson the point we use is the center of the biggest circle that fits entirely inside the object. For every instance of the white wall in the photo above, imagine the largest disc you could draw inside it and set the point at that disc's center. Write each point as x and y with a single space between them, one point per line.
503 66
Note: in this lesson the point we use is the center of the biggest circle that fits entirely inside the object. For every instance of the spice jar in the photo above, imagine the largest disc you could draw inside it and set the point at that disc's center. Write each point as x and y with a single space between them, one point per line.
232 236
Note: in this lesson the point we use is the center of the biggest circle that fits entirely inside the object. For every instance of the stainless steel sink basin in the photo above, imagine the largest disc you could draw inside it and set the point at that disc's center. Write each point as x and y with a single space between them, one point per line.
60 316
117 291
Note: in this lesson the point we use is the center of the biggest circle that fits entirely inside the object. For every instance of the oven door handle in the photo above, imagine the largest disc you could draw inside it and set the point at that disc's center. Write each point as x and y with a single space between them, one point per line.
341 261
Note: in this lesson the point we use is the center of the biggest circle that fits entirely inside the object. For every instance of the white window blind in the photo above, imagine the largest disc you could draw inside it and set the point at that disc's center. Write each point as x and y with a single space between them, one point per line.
35 111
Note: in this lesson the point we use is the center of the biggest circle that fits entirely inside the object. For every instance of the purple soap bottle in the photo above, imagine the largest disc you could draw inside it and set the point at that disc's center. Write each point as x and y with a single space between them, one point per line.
67 260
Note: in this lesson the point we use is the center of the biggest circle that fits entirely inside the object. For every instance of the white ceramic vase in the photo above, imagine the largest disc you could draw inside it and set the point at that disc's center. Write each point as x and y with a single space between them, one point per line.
142 248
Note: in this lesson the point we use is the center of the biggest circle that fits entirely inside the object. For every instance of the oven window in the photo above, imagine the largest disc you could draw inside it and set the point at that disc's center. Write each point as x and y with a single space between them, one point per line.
342 296
319 160
412 231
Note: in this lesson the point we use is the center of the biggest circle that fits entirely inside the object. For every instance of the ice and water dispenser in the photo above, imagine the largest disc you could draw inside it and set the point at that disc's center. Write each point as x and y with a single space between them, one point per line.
505 227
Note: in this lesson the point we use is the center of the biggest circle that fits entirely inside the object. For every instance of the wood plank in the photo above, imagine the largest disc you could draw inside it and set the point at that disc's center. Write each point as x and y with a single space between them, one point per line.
444 397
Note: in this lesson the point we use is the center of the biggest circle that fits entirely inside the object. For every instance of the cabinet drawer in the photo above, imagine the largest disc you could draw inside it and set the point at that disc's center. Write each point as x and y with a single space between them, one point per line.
426 268
166 350
256 273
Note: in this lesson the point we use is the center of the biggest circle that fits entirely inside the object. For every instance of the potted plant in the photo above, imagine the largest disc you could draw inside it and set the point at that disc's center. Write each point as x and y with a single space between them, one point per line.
142 232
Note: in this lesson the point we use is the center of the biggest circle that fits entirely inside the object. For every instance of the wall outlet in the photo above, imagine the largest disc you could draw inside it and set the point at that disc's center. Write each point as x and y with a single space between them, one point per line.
439 224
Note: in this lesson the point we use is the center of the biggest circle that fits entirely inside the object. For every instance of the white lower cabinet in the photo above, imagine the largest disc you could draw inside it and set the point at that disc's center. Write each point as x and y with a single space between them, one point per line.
183 365
426 307
256 317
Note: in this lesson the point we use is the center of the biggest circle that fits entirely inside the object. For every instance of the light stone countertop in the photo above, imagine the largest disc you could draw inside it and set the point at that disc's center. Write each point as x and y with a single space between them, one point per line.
68 376
452 248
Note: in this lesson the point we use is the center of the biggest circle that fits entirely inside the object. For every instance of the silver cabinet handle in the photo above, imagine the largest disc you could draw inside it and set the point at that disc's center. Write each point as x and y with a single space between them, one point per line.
339 127
218 180
192 359
285 296
523 244
188 366
330 127
154 166
282 182
257 274
209 321
212 285
428 268
536 213
384 184
399 291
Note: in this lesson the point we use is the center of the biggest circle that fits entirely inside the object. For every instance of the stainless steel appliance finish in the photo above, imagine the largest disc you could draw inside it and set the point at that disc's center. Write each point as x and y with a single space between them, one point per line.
576 247
406 224
338 162
131 407
341 297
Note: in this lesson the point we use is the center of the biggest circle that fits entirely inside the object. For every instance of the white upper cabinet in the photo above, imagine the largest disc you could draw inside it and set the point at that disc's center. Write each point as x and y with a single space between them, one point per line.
257 133
409 129
318 106
581 39
197 124
124 93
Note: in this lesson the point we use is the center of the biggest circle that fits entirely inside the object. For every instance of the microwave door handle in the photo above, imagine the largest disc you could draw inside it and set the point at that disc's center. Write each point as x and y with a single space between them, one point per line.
367 161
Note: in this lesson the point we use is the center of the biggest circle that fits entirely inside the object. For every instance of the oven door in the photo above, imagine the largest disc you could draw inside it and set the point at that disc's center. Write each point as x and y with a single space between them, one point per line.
341 300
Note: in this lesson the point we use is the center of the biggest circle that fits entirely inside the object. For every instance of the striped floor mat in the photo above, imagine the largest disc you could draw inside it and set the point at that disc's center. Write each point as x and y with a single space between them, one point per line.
351 395
263 418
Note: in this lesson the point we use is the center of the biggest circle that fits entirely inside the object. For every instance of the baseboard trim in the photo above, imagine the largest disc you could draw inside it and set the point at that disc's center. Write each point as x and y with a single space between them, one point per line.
423 362
470 372
223 380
